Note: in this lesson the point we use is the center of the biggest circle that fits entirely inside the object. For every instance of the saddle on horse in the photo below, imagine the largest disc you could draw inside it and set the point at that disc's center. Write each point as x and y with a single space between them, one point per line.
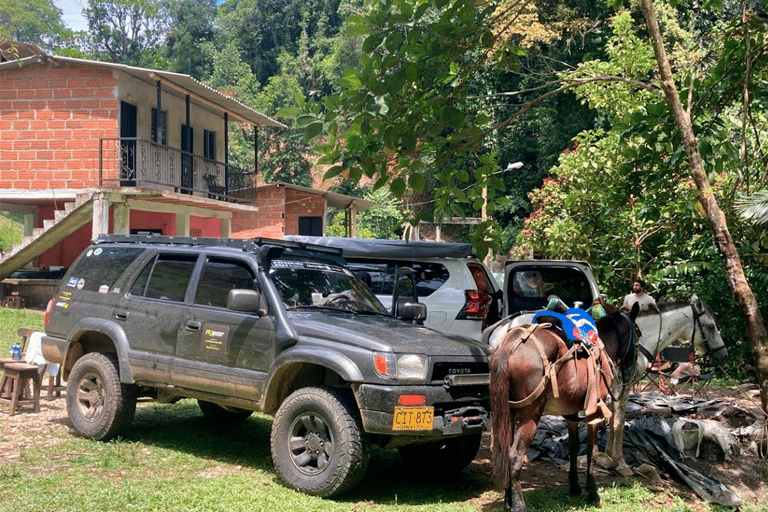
580 337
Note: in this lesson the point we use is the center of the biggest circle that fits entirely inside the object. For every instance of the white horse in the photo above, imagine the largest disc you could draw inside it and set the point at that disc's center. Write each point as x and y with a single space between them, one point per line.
673 321
678 321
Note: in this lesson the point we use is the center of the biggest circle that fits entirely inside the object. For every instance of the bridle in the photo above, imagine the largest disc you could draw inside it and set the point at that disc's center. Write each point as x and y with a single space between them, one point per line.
697 323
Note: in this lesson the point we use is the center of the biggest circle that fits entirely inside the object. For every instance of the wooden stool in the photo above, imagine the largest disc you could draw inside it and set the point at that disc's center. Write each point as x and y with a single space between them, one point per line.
15 380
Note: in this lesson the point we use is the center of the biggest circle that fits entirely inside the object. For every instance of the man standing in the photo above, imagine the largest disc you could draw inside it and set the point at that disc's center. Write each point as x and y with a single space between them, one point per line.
638 295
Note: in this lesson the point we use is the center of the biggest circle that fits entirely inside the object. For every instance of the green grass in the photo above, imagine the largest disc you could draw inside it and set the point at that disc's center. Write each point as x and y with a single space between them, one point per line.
172 460
11 230
11 320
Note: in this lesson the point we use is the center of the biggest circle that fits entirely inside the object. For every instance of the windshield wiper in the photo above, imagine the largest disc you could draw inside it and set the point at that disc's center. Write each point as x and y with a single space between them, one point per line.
328 308
367 312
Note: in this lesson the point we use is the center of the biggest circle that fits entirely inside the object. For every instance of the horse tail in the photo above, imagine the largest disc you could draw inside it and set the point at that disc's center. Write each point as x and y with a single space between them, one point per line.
502 416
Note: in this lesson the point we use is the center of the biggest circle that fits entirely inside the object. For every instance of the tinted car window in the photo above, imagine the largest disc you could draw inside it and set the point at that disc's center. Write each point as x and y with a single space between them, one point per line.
166 277
429 277
567 283
100 267
219 277
378 276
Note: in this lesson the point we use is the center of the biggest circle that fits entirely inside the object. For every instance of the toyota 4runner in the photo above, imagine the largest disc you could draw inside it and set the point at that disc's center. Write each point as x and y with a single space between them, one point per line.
263 325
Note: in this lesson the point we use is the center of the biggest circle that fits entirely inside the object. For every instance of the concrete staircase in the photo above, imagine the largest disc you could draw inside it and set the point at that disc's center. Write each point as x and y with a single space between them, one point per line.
65 222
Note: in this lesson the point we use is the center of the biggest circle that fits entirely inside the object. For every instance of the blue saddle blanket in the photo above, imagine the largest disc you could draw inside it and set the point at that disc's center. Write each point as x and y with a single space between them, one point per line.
578 325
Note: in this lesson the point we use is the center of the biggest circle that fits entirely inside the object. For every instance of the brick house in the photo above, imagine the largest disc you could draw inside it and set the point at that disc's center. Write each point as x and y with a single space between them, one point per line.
90 147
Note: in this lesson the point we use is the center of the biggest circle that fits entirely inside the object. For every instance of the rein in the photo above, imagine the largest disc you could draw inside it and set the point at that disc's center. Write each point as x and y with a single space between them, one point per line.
697 323
625 381
647 353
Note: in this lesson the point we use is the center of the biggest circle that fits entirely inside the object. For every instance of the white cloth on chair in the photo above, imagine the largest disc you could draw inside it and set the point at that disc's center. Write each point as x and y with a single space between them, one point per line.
34 353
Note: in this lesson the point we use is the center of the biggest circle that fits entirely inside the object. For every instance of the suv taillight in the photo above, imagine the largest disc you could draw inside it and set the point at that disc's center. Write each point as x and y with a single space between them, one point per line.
476 305
48 309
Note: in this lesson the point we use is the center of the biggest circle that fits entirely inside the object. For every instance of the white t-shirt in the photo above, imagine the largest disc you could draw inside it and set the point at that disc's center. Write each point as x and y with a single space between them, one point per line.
646 301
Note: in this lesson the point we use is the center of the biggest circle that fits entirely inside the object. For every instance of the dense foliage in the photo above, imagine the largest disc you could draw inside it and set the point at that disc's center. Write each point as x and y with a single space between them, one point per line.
427 102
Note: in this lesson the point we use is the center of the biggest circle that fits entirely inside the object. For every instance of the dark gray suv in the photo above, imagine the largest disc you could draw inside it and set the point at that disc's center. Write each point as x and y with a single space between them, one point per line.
263 325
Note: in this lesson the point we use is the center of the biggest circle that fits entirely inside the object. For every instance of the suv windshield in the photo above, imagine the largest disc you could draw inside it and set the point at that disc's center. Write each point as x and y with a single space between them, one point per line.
303 284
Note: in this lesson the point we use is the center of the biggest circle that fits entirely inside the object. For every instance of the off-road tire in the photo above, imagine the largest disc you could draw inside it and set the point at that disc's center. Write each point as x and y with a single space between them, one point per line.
98 404
317 442
221 414
445 456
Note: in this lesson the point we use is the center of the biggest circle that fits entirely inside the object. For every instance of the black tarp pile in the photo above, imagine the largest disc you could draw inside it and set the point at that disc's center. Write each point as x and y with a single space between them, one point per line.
649 438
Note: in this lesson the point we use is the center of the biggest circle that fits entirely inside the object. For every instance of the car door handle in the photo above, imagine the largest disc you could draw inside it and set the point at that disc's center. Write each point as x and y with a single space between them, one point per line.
194 326
121 315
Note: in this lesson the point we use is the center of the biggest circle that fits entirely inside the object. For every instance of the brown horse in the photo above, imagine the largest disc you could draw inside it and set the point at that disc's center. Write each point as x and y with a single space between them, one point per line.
533 372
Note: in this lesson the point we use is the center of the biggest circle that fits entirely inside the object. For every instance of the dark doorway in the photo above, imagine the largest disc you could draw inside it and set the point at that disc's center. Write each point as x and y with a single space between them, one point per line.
187 149
128 114
311 226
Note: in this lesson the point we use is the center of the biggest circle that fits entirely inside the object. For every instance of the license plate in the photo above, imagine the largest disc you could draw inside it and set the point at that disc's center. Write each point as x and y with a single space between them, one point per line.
413 418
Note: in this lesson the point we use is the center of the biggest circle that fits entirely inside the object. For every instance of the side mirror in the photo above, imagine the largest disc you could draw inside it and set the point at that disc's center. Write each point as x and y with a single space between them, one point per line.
414 311
247 301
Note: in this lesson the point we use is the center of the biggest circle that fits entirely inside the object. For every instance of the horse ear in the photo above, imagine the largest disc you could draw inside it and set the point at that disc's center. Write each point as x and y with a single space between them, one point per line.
634 312
697 303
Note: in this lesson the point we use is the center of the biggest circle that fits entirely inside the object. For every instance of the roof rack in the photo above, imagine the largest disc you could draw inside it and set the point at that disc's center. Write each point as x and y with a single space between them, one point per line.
175 240
294 244
245 244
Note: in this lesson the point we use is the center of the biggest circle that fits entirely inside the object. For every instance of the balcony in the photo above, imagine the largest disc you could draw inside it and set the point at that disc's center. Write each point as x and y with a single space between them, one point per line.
133 162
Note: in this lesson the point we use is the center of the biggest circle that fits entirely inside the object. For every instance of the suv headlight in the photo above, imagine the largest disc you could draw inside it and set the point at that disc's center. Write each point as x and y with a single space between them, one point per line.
400 366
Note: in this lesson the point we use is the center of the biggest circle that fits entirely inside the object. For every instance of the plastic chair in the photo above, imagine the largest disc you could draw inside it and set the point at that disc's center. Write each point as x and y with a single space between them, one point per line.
33 355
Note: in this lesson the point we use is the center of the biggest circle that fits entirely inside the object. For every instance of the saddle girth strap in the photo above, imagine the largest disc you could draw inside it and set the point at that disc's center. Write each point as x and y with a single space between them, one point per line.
595 408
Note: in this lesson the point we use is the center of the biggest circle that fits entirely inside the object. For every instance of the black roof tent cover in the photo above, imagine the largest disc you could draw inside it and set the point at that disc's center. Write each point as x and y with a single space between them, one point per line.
365 247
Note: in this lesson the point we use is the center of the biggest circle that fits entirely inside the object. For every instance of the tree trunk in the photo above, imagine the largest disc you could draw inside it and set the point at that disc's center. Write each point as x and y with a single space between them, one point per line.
756 331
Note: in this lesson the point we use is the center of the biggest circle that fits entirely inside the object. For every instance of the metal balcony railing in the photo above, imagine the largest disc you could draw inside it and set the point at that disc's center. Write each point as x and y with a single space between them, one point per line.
134 162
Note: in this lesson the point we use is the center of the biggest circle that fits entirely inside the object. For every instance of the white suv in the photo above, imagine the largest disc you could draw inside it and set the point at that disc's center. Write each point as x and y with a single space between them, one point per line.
461 295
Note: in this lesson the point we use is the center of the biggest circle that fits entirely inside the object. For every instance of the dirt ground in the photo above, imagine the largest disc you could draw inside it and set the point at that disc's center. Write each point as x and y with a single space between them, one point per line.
745 474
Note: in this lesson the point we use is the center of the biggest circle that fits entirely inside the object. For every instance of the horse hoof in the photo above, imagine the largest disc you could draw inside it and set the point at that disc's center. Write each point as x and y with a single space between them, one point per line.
594 500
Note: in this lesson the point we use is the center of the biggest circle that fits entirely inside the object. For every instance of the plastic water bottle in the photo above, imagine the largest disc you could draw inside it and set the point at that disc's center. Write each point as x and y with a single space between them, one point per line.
16 352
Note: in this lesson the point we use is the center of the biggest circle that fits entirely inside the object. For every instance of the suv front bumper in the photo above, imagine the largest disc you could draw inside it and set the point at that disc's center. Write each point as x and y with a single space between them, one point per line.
456 412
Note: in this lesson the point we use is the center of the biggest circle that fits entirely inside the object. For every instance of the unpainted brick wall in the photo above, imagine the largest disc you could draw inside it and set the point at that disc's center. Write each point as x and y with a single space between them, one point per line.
279 212
51 119
301 204
269 222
